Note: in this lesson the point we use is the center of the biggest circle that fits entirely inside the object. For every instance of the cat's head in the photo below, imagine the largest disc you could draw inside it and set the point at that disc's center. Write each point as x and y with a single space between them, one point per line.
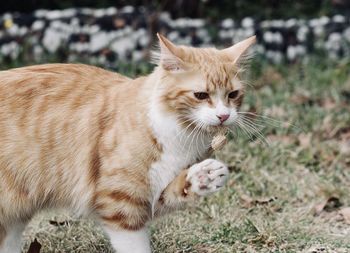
201 86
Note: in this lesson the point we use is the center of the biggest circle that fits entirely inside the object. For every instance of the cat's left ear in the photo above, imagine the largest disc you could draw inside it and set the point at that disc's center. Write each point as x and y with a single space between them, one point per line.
170 57
236 52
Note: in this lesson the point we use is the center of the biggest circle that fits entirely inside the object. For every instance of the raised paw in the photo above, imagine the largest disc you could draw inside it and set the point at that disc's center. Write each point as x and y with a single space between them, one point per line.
207 177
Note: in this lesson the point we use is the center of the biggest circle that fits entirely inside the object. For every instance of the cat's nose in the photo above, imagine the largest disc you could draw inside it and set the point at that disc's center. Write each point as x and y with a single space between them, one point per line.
223 117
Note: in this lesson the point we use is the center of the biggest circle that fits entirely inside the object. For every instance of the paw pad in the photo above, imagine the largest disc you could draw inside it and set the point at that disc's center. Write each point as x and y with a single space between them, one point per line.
207 177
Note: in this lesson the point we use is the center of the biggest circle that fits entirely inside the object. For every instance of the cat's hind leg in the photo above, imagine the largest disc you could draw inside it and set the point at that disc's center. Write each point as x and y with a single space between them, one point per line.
127 241
11 238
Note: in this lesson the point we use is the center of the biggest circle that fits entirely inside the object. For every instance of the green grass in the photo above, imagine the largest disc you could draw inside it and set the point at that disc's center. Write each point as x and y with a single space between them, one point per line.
270 200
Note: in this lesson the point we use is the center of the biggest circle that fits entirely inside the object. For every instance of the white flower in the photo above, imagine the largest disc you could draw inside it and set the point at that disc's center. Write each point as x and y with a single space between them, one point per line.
302 33
128 9
294 51
111 11
137 55
346 34
314 22
40 13
265 24
51 40
173 35
87 11
203 34
10 49
275 37
144 41
227 23
291 53
122 46
274 56
339 19
99 13
38 52
277 23
13 30
7 16
22 31
197 23
260 49
38 25
291 22
319 30
98 41
324 20
224 34
334 42
68 13
335 37
247 22
53 15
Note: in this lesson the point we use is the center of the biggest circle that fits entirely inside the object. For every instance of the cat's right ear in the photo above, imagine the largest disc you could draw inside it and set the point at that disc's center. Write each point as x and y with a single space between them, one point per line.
170 56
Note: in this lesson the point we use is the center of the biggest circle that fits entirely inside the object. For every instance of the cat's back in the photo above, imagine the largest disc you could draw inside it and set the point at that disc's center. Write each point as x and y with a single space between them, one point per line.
53 90
48 77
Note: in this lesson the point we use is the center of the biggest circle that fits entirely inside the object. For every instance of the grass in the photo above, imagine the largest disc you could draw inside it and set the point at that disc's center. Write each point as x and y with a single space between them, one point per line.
281 197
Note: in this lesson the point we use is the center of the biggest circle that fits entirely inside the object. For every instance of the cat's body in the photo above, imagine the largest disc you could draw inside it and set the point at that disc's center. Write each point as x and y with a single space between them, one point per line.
100 144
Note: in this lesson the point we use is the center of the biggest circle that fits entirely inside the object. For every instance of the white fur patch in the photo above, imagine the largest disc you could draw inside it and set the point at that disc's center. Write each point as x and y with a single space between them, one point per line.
124 241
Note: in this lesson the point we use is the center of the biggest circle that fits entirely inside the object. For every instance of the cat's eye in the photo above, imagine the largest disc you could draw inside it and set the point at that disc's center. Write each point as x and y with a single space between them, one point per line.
201 95
233 94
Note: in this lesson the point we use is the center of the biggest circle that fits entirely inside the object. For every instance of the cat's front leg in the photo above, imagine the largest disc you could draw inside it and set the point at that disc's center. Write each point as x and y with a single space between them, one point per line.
201 179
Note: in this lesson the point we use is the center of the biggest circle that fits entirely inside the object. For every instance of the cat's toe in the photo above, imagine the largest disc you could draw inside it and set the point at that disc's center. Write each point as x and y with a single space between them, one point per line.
207 177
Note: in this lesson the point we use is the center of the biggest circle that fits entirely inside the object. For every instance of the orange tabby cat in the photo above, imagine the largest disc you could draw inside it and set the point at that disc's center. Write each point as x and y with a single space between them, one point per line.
96 142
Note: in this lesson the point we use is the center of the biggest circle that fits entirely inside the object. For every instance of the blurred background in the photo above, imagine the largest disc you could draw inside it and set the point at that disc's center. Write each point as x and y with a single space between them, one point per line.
108 32
289 189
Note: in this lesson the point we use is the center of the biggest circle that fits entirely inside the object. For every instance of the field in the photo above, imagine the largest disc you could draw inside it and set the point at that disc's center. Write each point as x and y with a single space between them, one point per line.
289 187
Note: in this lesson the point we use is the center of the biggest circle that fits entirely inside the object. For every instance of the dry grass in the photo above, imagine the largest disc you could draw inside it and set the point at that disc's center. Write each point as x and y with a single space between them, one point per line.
284 197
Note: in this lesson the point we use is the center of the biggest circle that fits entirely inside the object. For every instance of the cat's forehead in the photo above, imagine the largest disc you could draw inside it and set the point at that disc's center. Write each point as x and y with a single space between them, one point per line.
218 72
211 71
220 76
216 80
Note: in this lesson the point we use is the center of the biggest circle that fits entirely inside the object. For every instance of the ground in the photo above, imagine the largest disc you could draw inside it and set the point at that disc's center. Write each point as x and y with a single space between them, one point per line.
288 195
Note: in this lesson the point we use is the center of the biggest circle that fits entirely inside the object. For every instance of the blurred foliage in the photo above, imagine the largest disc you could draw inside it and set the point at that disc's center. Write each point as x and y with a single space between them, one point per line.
260 9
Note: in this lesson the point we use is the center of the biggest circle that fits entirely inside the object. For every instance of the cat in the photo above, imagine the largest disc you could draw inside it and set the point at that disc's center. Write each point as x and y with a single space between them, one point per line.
121 150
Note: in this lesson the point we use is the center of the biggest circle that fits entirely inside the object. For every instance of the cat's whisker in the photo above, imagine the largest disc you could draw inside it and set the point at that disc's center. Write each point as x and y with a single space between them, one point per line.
184 131
247 83
244 131
246 119
254 131
201 131
198 129
268 120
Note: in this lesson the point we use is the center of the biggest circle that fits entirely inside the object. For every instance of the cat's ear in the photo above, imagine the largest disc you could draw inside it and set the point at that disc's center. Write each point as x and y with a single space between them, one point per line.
236 52
170 56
